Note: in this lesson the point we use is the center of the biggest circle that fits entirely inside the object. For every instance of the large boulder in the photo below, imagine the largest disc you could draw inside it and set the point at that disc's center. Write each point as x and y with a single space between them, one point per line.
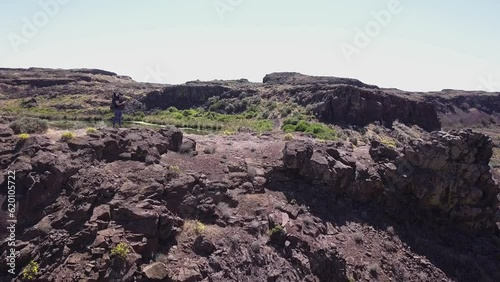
297 154
449 177
334 166
382 153
156 271
139 144
174 137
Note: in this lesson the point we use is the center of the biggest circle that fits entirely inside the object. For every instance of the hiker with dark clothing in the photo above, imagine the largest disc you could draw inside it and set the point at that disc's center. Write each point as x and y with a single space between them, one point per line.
118 105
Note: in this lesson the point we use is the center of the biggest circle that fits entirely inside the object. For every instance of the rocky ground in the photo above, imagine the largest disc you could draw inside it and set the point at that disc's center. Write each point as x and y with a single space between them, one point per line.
250 207
390 197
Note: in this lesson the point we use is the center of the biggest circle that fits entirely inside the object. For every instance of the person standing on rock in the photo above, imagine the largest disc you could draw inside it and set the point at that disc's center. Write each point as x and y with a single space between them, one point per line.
118 105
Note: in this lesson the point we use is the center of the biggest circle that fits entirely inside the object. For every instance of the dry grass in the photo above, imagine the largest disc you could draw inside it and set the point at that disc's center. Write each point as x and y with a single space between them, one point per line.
495 158
193 228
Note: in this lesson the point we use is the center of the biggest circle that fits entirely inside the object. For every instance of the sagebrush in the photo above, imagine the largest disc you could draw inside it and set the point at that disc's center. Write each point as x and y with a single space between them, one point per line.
29 125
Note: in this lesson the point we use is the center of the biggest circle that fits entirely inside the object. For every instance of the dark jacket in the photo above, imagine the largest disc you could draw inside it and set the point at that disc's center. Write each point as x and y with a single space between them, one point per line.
118 103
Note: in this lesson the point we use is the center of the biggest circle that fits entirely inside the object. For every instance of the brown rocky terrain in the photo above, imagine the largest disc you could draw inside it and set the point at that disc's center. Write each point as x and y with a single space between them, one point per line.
207 208
333 100
390 198
26 83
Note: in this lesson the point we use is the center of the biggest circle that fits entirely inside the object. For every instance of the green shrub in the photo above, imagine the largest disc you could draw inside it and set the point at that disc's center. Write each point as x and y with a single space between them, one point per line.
66 136
176 170
275 230
389 142
29 125
91 130
263 126
302 126
288 128
31 271
277 234
23 136
199 228
120 251
284 112
288 137
291 121
318 130
250 114
189 113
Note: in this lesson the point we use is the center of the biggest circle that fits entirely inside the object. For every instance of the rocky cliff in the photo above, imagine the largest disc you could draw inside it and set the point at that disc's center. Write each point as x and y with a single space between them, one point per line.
446 178
293 78
350 105
334 100
40 82
283 211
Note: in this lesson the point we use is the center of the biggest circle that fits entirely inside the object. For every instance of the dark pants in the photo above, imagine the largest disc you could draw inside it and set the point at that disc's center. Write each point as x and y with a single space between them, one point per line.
118 118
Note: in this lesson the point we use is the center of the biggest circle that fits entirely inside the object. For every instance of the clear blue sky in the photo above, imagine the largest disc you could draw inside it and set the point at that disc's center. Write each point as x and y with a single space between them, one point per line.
428 45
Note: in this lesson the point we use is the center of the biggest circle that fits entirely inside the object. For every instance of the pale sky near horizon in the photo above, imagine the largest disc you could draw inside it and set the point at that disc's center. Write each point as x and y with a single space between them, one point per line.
424 45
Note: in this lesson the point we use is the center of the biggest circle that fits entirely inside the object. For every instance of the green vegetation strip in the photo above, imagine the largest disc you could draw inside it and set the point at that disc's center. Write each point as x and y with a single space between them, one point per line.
318 130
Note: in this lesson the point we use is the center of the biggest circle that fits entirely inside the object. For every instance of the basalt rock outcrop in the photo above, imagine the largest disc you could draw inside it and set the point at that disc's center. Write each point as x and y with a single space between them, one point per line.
78 199
134 144
350 105
182 97
449 178
334 100
458 109
335 168
264 219
446 179
293 78
51 83
195 94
